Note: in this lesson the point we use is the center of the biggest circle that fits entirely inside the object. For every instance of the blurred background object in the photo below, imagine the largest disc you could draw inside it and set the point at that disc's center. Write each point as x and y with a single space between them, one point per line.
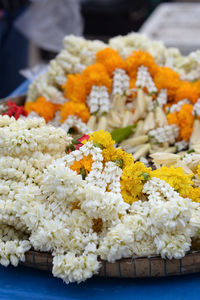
40 26
176 24
13 46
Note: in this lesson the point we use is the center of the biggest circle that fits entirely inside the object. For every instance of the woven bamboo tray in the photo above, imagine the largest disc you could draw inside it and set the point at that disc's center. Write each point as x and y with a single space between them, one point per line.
136 267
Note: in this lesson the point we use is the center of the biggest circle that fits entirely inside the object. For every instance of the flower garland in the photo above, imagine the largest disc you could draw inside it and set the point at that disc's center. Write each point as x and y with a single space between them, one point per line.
89 201
115 91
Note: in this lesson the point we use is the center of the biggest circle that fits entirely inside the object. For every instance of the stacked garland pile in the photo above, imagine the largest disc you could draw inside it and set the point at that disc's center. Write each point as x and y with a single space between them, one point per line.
83 198
129 82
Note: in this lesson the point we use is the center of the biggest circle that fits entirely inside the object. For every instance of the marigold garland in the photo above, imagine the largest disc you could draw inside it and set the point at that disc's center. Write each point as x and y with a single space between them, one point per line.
102 138
175 177
111 60
140 58
133 180
84 164
78 109
187 90
74 88
44 108
184 119
166 78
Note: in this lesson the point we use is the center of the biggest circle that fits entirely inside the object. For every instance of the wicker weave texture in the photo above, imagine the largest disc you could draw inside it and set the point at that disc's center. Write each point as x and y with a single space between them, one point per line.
136 267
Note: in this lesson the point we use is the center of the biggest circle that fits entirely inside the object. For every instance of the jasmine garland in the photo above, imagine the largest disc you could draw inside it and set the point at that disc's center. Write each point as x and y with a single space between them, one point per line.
93 202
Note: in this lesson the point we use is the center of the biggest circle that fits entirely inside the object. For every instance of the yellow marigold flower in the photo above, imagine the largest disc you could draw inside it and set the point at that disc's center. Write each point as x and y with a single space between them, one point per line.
175 177
132 181
84 164
44 108
198 171
111 60
102 138
114 154
166 78
140 58
78 109
194 194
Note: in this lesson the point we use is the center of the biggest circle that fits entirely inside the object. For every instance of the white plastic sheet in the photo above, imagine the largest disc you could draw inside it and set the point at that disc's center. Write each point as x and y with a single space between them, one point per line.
46 22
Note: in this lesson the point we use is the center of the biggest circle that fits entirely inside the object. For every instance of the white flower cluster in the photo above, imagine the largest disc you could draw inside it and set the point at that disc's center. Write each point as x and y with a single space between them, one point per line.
3 108
162 97
55 121
135 41
162 225
196 108
192 160
76 55
144 79
188 67
120 82
46 205
24 137
177 107
182 145
73 121
166 134
71 268
98 100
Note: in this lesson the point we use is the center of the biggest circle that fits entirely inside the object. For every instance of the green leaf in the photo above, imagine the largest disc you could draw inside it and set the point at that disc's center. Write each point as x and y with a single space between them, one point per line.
119 163
120 134
190 151
83 173
146 176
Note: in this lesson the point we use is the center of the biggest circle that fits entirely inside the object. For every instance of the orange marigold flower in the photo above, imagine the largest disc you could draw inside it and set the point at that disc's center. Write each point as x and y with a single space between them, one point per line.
140 58
44 108
111 60
84 164
74 88
187 90
184 119
173 119
166 78
78 109
96 74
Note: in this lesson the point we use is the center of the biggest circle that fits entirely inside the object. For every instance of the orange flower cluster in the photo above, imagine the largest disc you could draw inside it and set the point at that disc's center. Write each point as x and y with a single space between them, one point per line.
84 164
166 78
140 58
184 119
78 87
111 60
44 108
77 109
188 90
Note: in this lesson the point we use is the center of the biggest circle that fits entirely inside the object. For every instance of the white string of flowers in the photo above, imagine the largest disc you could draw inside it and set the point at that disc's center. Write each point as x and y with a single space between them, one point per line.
55 209
98 100
73 121
166 134
177 107
144 79
120 82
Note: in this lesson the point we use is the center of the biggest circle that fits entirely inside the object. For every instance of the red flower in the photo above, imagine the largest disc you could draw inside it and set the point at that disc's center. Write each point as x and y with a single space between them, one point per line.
15 110
83 138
